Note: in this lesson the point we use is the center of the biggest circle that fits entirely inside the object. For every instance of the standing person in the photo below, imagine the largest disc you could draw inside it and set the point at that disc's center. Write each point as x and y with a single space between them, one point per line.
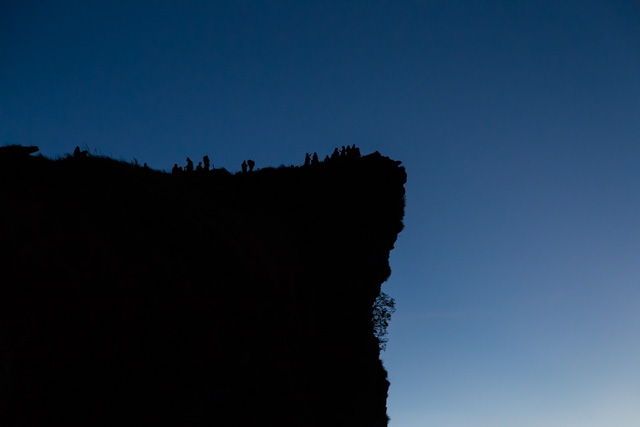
244 166
251 164
205 159
189 167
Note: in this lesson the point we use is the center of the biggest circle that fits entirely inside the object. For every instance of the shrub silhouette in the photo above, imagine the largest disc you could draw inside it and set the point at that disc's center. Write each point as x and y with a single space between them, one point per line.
383 307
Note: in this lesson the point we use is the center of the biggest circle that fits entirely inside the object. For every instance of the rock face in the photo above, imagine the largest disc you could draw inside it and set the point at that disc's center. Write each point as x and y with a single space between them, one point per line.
18 152
134 297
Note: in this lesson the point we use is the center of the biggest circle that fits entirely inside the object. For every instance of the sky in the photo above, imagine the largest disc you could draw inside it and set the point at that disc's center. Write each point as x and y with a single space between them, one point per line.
517 276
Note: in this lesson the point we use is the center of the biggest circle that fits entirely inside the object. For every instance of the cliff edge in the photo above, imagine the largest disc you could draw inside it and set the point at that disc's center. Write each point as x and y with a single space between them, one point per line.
130 296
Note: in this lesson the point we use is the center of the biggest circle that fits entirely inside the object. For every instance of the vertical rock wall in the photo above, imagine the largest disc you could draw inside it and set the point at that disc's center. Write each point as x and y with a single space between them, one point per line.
133 297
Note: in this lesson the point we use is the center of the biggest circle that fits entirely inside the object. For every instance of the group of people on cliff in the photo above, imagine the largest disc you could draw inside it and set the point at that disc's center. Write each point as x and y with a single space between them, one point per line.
347 152
189 166
205 166
250 163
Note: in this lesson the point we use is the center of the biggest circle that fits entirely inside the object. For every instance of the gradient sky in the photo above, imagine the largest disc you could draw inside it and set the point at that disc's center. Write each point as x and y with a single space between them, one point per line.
517 277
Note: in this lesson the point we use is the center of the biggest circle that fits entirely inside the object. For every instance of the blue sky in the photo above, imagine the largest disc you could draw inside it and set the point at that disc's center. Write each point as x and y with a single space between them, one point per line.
516 278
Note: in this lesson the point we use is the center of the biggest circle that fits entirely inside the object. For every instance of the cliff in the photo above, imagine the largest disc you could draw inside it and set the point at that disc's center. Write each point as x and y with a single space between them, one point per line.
130 296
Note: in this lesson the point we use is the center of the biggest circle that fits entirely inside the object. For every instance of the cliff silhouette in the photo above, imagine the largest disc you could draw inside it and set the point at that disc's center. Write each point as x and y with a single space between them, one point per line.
131 296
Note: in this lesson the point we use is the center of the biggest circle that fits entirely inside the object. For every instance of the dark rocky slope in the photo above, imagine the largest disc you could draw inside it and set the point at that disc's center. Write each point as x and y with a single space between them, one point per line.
134 297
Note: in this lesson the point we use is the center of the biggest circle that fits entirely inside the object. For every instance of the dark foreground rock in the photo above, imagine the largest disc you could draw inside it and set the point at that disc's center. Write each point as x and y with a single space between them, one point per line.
134 297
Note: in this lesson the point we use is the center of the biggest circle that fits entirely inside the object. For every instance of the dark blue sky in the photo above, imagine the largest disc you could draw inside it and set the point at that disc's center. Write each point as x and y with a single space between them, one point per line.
517 278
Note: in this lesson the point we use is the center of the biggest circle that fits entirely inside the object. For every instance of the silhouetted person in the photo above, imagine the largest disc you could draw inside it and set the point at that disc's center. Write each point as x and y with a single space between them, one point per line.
78 153
307 159
356 151
326 158
206 162
343 152
251 164
145 166
189 167
336 154
175 169
314 159
244 166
